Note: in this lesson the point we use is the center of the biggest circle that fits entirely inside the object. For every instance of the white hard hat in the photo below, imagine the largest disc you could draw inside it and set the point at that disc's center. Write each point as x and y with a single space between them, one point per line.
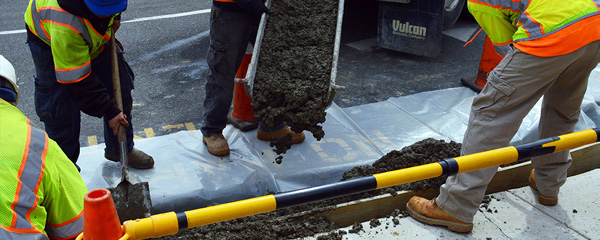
7 71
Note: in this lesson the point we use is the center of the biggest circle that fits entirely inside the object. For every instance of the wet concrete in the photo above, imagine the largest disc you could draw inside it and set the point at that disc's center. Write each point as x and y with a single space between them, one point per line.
294 68
132 201
303 221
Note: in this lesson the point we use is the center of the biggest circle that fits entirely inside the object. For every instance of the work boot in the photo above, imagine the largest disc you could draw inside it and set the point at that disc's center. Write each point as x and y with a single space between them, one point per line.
135 159
282 132
427 211
216 144
544 200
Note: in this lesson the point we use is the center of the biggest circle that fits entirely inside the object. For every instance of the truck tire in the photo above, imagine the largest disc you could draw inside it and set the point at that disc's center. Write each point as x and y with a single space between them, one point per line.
452 10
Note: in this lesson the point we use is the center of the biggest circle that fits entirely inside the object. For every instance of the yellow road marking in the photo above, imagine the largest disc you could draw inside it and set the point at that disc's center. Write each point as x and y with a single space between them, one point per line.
190 126
172 126
149 132
92 140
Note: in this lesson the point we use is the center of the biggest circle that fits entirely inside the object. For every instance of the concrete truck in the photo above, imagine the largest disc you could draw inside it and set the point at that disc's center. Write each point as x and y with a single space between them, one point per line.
415 26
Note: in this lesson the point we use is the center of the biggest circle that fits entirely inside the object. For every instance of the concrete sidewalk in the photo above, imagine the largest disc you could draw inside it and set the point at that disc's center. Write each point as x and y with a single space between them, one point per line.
513 214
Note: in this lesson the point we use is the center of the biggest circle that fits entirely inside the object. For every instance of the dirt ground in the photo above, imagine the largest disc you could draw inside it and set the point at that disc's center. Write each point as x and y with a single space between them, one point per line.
294 67
304 221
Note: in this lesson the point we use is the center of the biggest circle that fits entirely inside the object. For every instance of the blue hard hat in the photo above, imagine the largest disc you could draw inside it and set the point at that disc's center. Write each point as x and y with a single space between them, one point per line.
106 7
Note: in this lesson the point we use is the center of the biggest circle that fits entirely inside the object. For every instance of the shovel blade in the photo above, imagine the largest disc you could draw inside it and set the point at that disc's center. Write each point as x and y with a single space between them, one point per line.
132 201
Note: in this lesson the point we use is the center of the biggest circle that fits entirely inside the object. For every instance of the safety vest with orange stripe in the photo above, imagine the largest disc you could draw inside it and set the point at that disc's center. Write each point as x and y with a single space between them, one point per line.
41 191
543 28
73 39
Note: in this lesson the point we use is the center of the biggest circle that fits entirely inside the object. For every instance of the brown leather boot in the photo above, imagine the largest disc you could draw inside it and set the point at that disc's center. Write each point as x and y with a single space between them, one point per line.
544 200
284 131
216 144
427 211
135 159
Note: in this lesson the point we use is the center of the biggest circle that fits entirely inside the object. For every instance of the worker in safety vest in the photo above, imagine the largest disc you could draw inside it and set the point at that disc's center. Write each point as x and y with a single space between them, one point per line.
41 192
233 24
553 47
68 43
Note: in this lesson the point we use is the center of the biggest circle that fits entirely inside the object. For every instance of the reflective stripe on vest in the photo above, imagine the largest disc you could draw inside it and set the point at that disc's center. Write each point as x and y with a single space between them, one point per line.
542 28
30 175
75 74
67 229
60 17
76 41
5 234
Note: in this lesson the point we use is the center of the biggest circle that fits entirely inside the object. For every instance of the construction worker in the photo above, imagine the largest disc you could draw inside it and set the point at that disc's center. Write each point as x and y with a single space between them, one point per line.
68 43
553 48
233 25
41 192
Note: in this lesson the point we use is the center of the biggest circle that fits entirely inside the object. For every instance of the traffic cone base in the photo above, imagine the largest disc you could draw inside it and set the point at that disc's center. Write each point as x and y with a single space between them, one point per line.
241 115
241 125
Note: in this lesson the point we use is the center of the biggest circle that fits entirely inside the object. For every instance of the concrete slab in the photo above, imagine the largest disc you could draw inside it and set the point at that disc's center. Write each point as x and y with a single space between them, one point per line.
513 214
577 209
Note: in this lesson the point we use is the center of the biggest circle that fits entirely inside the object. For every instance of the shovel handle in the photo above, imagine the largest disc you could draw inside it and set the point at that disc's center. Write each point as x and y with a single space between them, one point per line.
116 80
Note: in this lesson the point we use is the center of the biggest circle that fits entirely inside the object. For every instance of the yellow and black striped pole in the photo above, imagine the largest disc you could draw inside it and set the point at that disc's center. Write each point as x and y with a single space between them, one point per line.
170 223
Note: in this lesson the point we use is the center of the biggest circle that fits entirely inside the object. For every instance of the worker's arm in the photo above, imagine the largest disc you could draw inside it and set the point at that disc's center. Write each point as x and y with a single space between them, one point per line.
255 7
93 99
496 21
73 68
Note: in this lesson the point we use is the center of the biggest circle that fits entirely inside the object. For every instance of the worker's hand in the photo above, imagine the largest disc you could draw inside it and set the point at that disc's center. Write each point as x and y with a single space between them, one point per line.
260 8
116 25
116 121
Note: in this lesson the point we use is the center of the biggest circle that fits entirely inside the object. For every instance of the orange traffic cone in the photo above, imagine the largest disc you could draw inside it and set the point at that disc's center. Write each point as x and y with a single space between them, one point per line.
241 115
489 60
100 219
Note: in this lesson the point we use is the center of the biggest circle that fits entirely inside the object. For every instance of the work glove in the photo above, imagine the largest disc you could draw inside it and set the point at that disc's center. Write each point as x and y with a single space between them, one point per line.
254 7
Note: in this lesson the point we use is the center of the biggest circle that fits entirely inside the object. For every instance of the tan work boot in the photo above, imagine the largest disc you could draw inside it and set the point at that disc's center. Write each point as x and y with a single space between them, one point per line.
427 211
544 200
216 144
284 131
135 159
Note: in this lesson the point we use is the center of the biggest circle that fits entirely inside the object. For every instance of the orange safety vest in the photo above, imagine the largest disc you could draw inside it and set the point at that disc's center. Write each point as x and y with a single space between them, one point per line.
544 28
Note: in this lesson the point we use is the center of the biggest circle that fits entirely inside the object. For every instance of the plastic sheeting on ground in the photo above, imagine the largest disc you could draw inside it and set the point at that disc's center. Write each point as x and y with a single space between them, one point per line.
187 177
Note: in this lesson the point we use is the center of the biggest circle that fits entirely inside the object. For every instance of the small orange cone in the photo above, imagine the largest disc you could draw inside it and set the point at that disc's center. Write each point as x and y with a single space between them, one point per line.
489 60
241 115
100 219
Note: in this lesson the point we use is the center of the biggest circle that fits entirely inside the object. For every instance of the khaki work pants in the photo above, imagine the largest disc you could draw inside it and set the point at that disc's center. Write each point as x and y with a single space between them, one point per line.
512 90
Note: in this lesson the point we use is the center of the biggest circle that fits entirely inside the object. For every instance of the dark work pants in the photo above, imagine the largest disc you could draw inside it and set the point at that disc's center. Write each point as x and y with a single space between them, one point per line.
230 33
59 112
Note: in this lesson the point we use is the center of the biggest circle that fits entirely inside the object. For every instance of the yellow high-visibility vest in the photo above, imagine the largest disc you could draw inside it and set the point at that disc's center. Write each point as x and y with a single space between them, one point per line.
543 28
73 39
41 191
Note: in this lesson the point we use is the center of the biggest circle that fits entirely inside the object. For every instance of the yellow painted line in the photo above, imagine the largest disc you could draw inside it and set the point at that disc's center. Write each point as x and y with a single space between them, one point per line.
92 140
149 132
190 126
137 137
173 126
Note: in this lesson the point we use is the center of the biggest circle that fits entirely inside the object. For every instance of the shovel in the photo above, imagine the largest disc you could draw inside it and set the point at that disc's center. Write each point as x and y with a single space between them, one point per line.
132 201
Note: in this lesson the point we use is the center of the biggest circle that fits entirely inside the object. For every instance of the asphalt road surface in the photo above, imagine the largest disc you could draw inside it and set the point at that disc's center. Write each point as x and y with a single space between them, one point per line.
166 42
